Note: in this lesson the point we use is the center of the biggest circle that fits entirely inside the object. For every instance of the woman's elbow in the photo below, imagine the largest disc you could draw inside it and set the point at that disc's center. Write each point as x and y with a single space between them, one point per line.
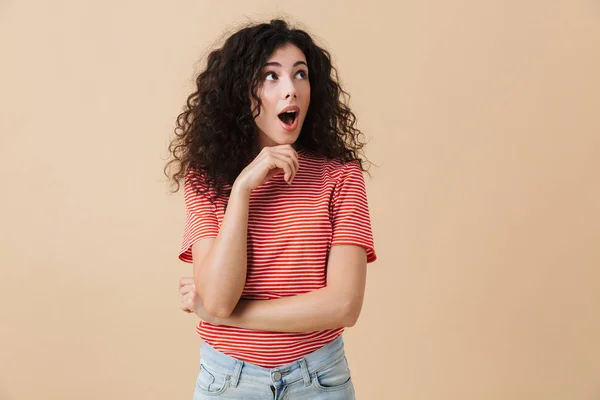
214 303
350 314
218 308
219 312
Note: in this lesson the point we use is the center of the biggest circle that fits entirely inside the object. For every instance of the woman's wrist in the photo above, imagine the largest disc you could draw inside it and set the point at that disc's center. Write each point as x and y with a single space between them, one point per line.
239 188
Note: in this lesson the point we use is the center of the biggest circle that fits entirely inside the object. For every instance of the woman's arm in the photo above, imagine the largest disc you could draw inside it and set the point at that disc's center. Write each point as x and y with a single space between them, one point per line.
220 263
334 306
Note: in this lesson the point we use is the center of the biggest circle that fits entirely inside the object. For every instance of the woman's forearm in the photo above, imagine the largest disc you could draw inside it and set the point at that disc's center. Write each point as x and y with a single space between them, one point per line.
312 311
221 276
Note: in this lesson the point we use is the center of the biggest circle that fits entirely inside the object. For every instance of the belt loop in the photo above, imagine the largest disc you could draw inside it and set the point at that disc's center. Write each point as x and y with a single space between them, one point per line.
237 371
304 369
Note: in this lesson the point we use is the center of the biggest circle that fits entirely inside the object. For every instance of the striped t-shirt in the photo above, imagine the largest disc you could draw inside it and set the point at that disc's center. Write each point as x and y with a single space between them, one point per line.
290 231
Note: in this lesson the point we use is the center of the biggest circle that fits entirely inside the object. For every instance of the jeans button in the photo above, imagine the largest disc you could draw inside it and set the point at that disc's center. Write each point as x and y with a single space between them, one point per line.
276 375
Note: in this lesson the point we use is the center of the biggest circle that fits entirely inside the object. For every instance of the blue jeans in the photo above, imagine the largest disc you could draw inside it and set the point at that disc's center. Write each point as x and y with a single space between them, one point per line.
322 374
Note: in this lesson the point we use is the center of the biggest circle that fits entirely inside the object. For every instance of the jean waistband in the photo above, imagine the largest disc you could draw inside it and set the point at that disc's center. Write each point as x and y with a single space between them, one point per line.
283 374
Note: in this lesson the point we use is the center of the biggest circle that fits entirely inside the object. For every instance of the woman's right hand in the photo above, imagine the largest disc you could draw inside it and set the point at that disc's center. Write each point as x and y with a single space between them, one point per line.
270 161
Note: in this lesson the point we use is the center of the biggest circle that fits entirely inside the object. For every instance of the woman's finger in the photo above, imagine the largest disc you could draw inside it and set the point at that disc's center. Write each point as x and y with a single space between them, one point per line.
190 301
185 280
187 302
187 288
285 152
293 155
286 163
276 160
184 306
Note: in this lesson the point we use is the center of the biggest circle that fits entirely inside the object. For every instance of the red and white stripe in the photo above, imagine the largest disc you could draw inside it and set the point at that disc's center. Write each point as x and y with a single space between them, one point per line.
290 231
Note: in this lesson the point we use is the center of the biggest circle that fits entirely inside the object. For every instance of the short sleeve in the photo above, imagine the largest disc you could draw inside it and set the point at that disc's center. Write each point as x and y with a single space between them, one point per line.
351 221
200 222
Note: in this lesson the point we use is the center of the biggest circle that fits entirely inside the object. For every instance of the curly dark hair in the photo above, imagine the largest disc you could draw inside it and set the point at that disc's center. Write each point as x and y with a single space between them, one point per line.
216 135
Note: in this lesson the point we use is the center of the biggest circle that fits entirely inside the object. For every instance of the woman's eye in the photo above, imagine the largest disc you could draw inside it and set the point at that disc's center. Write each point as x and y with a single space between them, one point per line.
303 73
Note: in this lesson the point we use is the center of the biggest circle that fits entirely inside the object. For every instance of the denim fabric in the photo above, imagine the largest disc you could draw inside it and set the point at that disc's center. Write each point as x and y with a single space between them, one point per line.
322 374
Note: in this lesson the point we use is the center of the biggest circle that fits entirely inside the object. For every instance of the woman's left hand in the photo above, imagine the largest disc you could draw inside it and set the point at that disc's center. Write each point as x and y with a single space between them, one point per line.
190 301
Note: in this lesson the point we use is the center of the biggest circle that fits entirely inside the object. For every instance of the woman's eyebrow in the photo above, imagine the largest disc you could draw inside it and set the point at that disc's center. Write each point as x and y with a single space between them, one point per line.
276 64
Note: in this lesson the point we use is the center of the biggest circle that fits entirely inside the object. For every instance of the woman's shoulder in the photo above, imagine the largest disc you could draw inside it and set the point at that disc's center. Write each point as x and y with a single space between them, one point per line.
326 169
330 165
320 160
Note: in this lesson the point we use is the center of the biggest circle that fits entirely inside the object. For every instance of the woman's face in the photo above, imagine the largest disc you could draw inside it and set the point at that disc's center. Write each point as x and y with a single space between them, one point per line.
284 87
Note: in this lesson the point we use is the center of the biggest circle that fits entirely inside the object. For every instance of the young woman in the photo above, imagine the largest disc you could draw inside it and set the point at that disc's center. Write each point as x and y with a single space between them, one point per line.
277 220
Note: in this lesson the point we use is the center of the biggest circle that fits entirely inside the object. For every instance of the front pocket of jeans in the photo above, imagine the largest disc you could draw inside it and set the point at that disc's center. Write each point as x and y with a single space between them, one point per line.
333 377
211 382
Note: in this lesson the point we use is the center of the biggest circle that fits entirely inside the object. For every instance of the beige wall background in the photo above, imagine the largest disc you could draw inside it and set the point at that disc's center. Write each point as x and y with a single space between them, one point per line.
482 119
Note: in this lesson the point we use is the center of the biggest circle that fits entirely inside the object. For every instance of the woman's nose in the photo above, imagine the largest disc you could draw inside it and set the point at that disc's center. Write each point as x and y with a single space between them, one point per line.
290 90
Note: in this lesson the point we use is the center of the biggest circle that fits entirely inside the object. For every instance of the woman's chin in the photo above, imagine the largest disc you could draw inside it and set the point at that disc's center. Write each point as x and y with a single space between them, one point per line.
281 137
286 138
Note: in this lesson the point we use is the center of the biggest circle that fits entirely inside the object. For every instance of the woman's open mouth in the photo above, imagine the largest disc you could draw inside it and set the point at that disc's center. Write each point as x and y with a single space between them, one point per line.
289 120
